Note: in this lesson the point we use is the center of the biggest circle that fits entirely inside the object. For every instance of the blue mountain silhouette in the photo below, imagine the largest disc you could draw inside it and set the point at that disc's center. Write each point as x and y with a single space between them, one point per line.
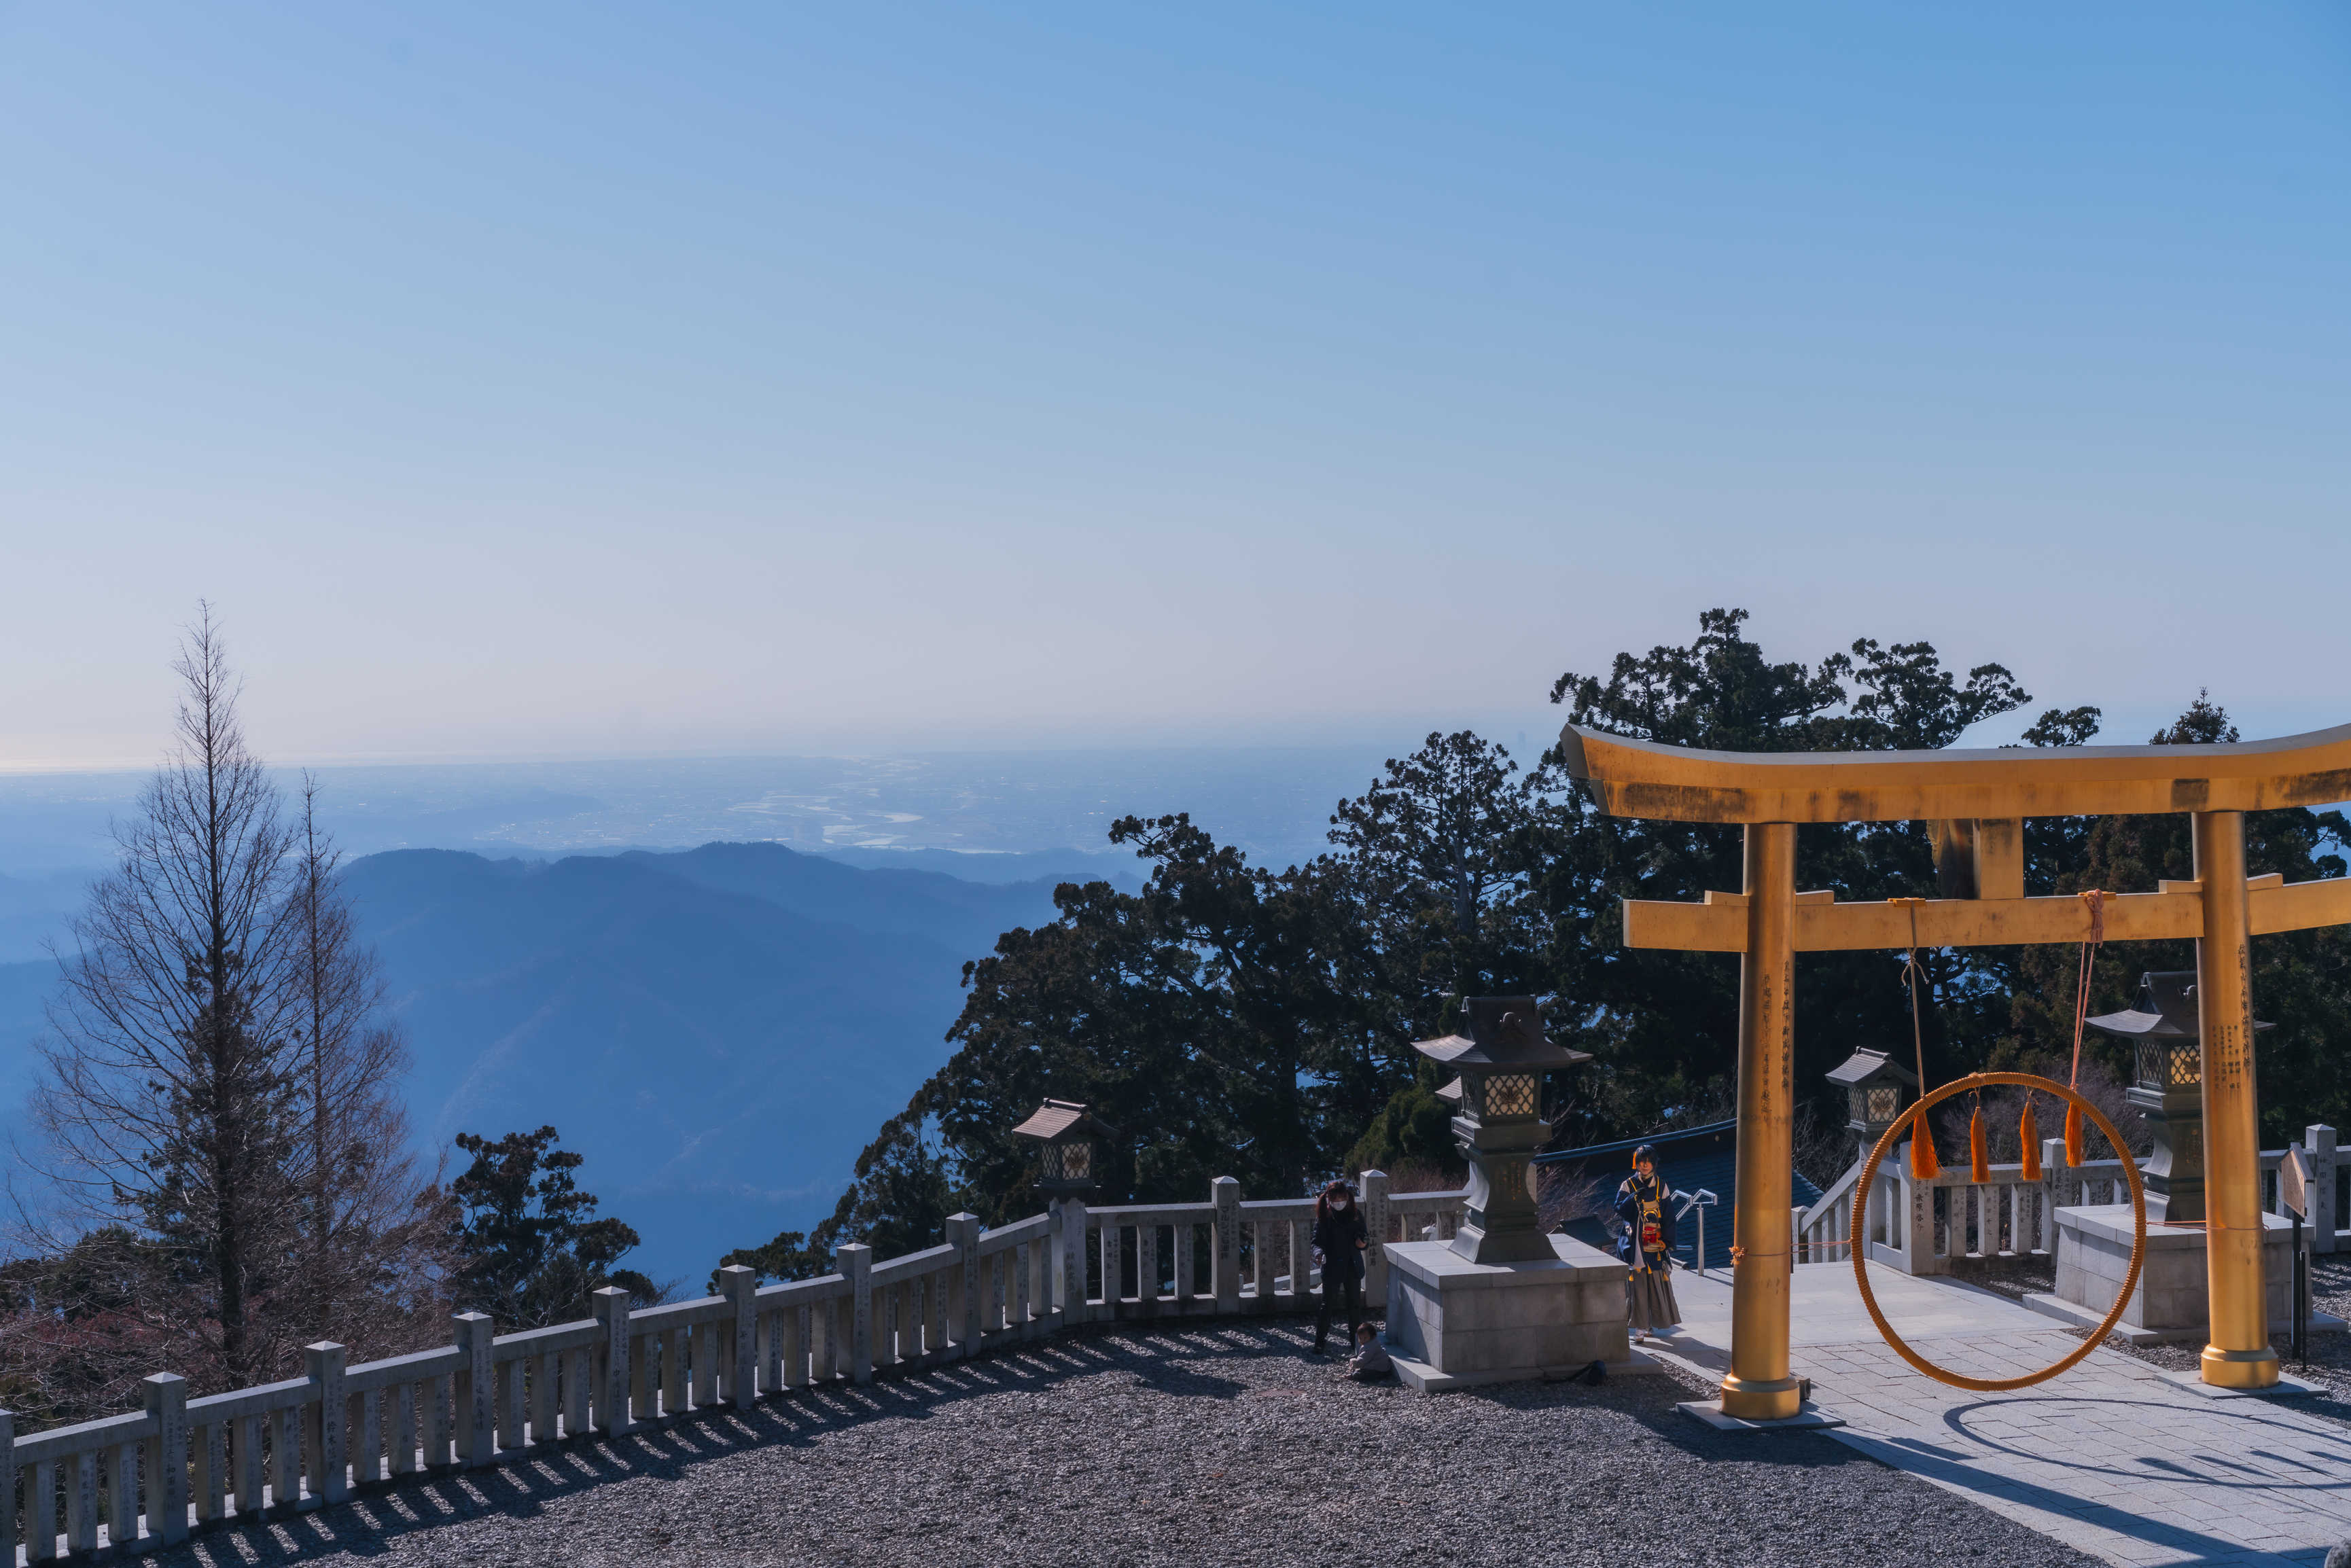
718 1030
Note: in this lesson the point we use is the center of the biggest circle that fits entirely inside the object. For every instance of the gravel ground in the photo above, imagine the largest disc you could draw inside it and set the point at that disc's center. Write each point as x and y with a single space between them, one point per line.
2015 1277
1225 1443
2330 1354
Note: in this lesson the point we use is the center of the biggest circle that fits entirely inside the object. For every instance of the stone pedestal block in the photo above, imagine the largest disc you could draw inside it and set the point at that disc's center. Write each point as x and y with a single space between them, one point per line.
1452 1323
2093 1245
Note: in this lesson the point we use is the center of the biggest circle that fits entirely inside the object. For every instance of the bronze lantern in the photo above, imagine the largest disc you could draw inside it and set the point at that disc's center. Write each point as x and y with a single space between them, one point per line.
2168 1088
1502 1061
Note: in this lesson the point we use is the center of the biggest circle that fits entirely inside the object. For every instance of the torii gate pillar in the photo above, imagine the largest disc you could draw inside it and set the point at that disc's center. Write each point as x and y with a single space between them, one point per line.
1758 1387
2238 1356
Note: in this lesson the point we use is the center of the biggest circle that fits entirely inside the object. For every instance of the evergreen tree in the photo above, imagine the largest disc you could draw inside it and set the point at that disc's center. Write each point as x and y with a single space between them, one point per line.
1664 1026
1235 1020
2301 979
531 1245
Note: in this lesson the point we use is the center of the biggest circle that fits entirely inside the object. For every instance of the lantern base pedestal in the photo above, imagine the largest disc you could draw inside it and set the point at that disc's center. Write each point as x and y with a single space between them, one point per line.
1452 1323
2093 1245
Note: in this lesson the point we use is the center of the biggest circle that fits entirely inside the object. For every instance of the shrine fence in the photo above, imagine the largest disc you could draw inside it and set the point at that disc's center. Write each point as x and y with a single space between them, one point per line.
181 1464
1927 1226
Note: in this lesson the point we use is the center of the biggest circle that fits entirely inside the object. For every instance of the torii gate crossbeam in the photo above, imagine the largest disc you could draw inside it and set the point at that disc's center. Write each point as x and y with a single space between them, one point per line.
1978 799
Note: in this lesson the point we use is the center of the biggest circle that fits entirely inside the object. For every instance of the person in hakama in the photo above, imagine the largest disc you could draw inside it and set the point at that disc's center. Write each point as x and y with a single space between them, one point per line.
1644 1208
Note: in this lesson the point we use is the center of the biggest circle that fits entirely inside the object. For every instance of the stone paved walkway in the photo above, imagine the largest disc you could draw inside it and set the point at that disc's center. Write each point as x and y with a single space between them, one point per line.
2108 1458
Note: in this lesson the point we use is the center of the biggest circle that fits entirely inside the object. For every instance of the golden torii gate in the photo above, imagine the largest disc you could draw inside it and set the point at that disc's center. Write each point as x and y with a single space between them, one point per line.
1976 802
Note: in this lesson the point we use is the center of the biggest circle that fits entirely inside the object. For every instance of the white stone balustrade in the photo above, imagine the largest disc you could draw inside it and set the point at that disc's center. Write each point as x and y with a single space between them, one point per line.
1907 1228
151 1477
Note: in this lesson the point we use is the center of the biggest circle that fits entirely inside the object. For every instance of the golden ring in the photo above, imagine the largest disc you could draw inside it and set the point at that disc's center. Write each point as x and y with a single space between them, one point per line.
1861 1206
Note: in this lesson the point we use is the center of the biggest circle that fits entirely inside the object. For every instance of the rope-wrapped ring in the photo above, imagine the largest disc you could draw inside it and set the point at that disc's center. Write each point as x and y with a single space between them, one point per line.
1859 1246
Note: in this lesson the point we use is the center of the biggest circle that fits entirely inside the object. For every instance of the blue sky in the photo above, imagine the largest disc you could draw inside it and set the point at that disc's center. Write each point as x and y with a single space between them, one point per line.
538 381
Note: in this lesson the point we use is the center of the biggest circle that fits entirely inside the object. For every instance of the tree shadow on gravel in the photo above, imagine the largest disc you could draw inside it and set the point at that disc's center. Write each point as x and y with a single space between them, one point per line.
1163 1359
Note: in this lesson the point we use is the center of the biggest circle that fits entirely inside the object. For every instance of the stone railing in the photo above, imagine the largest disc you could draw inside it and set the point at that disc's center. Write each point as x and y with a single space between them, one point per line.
1824 1232
1951 1220
152 1476
1910 1226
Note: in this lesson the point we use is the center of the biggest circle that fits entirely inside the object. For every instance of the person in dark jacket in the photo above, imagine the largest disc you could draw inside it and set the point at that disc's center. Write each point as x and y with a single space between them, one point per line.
1339 1241
1645 1205
1371 1363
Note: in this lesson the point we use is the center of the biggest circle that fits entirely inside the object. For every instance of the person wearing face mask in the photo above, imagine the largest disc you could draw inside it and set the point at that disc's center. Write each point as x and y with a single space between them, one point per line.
1340 1242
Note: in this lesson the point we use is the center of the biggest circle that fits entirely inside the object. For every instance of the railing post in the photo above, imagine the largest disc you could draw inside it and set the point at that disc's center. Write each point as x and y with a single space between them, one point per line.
2318 1143
854 1262
166 1394
477 1374
963 1230
8 1490
741 1286
2056 1179
1070 1259
1112 1264
1052 1269
322 1421
1226 1193
1375 1226
1916 1202
609 1307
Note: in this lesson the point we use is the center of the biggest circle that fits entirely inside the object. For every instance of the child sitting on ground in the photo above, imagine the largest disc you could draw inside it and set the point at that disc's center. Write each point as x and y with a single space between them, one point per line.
1370 1362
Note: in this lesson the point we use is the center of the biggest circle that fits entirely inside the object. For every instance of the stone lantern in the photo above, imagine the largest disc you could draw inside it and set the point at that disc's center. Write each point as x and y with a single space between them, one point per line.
1503 1061
1069 1159
1501 1302
1876 1087
2168 1088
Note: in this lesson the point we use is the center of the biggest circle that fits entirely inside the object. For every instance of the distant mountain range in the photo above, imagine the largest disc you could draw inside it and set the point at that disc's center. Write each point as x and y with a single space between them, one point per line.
718 1030
1272 801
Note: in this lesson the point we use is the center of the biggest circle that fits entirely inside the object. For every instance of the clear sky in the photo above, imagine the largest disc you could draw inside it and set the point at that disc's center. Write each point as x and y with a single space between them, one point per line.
571 380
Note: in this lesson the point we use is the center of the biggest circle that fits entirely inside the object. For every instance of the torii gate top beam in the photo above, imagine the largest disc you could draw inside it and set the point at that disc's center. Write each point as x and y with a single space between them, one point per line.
1644 778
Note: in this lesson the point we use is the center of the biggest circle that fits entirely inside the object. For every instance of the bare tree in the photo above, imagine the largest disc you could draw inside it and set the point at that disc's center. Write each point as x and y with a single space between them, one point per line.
219 1113
374 1233
167 1100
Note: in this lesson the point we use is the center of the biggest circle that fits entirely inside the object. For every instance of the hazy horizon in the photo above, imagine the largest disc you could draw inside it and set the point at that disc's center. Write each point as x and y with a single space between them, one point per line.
1270 801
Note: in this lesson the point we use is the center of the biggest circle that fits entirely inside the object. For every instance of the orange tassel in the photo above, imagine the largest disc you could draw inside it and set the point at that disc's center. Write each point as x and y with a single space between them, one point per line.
2029 1132
1923 1164
1979 1167
2073 1137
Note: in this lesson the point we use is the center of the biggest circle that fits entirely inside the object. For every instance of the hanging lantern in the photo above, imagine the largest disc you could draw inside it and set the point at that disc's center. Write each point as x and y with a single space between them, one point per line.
1876 1088
1072 1141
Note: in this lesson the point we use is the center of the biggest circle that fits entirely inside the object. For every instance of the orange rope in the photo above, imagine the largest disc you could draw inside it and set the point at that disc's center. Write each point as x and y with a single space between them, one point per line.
1924 1167
2090 946
2096 901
